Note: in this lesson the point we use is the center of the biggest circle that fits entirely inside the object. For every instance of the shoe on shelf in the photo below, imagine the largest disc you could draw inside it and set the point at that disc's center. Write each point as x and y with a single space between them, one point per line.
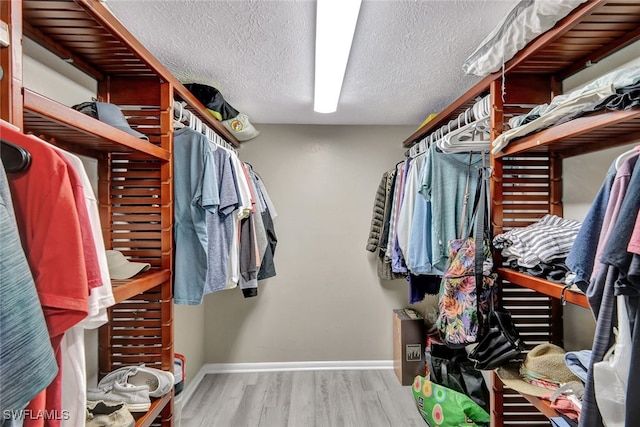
159 382
100 414
135 398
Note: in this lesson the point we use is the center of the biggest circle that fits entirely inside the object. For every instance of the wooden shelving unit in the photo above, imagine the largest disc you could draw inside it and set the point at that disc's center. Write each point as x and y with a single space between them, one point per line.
582 135
43 116
527 176
135 175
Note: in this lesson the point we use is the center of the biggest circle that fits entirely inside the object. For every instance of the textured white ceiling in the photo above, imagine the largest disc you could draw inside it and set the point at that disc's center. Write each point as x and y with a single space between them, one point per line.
405 63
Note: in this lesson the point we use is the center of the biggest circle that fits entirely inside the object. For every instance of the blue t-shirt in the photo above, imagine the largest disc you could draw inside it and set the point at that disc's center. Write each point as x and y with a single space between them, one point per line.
220 223
420 245
443 182
195 187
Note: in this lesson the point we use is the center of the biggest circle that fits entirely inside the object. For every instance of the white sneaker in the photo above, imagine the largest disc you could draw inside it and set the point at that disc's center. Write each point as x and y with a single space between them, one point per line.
158 381
136 398
102 415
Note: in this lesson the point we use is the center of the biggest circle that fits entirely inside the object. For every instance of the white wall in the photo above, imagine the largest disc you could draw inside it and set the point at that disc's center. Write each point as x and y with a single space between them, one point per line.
326 302
189 337
45 73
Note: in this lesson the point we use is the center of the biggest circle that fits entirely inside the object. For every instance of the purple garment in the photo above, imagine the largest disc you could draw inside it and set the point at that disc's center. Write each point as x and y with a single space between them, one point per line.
422 285
398 264
615 252
617 195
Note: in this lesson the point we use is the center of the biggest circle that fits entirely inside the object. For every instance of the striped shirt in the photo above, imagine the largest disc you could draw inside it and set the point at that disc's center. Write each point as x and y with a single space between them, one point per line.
550 238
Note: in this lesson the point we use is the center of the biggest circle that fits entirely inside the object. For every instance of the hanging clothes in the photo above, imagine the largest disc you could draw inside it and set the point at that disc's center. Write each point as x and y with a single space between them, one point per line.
405 217
378 239
424 278
223 228
27 360
443 182
74 371
243 211
397 191
195 194
398 264
610 263
220 223
420 244
377 217
51 233
418 206
581 258
267 267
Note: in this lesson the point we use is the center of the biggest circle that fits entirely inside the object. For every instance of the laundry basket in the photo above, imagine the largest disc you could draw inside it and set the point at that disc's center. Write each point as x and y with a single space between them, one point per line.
179 363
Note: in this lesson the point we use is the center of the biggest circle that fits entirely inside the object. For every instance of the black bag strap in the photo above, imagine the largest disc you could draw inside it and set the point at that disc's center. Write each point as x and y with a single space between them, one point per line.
464 224
491 304
481 226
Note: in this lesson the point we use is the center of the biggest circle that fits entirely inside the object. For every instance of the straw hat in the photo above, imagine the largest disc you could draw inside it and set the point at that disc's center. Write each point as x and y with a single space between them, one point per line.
545 360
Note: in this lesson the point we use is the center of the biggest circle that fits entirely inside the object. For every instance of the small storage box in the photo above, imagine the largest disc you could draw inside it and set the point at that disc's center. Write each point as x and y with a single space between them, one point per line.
408 345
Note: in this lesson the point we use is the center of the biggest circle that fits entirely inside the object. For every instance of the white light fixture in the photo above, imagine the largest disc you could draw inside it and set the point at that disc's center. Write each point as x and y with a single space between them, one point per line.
335 26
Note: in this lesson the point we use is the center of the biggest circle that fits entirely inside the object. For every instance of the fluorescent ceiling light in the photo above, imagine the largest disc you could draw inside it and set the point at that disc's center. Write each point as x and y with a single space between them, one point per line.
335 26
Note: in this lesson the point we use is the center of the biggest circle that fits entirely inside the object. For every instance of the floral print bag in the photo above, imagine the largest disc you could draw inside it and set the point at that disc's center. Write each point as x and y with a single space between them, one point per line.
463 300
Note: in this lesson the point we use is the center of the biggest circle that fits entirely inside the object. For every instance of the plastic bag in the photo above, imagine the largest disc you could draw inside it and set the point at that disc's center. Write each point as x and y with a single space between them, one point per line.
611 374
441 406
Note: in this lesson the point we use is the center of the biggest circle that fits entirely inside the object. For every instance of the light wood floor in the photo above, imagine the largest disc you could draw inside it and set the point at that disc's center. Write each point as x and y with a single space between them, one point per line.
302 399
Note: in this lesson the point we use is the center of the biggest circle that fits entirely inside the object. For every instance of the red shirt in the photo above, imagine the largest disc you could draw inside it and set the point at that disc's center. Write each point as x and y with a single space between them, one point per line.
47 218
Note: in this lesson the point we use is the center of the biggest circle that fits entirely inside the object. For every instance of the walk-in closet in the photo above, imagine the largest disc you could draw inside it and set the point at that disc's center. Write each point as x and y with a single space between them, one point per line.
196 232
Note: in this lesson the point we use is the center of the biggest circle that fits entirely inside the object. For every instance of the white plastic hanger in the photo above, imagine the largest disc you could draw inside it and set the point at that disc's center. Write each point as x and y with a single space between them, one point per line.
178 110
624 156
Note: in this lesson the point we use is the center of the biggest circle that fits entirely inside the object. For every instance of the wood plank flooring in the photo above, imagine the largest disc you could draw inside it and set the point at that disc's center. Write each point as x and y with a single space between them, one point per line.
327 398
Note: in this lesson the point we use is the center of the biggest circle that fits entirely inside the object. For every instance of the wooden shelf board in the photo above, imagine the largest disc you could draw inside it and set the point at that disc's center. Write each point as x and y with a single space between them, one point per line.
582 135
544 406
150 416
97 43
197 108
125 289
545 287
43 116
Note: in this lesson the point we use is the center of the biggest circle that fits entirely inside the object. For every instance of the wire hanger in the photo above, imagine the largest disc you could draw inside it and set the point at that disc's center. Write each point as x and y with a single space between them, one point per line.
14 158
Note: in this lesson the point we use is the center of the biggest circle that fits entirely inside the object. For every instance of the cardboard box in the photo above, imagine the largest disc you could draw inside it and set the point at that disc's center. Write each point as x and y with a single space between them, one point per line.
408 345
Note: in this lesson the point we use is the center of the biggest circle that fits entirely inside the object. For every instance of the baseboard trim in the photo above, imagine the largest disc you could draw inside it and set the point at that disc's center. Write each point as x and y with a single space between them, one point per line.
218 368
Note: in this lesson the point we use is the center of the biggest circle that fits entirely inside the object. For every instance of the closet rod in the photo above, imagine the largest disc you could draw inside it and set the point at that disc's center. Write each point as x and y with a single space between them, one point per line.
181 114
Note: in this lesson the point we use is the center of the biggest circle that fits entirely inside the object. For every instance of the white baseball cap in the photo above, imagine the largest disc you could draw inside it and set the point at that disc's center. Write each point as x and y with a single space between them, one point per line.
121 268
